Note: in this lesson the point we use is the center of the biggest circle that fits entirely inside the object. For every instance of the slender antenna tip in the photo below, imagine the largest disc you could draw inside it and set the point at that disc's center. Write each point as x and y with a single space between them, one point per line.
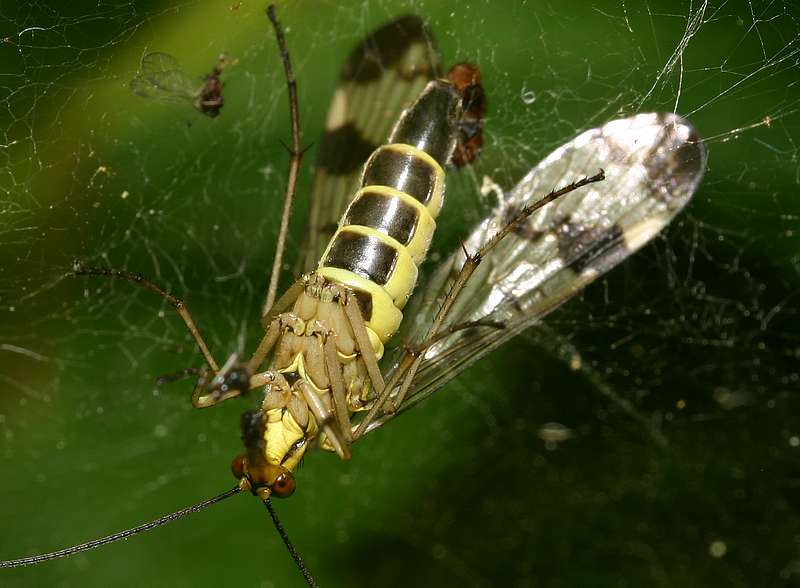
298 561
37 559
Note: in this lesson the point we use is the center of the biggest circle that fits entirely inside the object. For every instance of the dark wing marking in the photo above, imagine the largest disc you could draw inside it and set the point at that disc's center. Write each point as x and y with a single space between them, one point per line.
382 76
653 165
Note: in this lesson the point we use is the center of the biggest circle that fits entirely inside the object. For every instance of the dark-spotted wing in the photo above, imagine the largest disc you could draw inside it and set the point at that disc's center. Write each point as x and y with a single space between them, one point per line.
653 164
382 76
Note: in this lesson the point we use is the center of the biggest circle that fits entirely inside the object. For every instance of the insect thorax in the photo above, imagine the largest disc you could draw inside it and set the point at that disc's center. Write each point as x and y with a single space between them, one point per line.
299 371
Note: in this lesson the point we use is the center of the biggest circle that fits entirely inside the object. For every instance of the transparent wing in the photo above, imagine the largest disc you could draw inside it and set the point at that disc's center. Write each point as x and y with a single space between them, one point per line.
382 76
160 77
653 165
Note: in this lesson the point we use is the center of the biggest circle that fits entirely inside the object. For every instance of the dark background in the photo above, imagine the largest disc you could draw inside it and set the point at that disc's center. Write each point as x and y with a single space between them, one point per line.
682 463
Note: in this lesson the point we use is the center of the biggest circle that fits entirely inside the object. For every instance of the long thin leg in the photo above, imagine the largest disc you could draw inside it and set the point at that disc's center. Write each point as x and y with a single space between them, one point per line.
296 156
266 344
80 270
325 420
356 320
338 394
224 388
412 358
449 330
410 355
340 435
284 302
203 398
235 378
383 390
179 375
472 262
382 395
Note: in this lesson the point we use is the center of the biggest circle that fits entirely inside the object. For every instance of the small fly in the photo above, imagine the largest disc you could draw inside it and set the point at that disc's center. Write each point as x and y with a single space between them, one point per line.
161 78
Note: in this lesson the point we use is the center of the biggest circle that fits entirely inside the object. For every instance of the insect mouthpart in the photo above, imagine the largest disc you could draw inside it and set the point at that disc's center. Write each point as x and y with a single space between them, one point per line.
256 471
262 478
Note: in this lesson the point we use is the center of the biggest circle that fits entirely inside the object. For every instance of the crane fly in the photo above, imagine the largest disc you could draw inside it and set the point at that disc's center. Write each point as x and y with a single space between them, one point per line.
324 374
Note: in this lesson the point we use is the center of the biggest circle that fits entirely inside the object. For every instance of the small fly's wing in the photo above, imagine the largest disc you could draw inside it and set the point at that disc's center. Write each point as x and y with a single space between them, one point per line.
161 78
382 76
653 164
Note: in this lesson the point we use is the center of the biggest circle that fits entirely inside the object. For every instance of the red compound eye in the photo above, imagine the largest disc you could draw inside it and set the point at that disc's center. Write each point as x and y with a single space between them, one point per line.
284 485
237 466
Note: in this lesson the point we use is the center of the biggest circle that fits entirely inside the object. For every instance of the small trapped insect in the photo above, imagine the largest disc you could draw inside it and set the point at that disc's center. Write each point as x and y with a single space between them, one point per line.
326 375
467 80
161 78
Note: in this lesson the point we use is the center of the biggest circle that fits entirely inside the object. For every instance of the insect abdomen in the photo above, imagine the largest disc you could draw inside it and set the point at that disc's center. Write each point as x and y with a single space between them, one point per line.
385 232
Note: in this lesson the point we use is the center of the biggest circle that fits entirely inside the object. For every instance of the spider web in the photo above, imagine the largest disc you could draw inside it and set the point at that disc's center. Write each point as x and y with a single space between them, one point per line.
644 436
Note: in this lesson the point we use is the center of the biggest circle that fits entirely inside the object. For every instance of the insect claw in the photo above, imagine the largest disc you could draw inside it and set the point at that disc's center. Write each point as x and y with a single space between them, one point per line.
232 380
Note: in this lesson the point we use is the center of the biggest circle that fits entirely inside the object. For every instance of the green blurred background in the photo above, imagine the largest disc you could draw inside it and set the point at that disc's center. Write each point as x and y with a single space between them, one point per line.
682 463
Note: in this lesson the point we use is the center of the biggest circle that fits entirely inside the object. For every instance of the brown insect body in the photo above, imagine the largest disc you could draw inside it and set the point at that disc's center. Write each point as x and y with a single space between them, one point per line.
467 80
209 99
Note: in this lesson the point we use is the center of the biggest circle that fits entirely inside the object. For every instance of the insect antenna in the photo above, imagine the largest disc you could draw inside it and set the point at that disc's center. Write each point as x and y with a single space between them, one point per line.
37 559
289 545
68 551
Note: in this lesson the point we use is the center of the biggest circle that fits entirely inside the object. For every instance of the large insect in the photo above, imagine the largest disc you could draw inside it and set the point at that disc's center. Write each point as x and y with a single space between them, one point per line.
331 379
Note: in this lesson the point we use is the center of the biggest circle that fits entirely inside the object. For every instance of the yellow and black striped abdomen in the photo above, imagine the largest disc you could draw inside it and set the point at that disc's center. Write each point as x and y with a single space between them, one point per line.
385 232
